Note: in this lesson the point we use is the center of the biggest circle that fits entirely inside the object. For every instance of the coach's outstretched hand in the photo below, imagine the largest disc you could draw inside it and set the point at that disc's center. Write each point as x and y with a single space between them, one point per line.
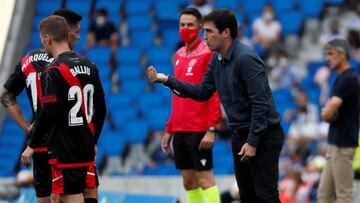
156 77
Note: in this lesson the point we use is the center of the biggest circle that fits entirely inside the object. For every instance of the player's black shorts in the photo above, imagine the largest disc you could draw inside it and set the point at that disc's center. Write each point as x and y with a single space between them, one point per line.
187 154
42 174
73 180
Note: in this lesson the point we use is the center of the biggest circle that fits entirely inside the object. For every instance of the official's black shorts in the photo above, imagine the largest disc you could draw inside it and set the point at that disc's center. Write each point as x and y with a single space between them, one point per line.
73 180
187 154
42 174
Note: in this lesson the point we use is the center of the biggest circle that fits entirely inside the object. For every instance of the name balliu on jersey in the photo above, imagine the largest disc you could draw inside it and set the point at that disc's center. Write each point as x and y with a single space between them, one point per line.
73 110
27 75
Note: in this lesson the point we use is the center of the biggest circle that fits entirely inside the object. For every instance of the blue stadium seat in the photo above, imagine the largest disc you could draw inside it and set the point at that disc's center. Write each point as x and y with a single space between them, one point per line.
9 156
282 6
137 7
107 85
223 164
80 44
107 127
84 25
167 13
121 115
112 6
221 146
166 68
136 131
45 8
116 100
139 22
164 6
36 21
149 100
104 70
99 54
334 2
10 128
165 92
35 39
230 4
12 140
240 18
291 22
112 143
167 169
313 66
283 95
311 8
132 87
115 19
251 17
147 39
251 6
159 55
248 31
157 116
130 71
128 55
282 107
171 37
82 7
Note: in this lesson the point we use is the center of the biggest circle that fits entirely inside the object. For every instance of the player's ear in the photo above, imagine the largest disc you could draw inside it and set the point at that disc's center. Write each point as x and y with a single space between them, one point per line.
48 39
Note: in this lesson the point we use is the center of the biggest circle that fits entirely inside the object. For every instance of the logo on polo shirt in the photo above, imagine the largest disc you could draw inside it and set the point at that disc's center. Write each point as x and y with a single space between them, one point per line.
189 69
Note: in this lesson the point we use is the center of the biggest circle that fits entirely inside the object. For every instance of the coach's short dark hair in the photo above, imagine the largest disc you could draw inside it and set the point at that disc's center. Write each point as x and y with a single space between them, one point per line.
56 27
223 18
71 17
192 11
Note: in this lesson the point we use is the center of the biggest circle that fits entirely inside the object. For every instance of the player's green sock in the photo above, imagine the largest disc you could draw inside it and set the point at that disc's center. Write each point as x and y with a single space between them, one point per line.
195 195
212 195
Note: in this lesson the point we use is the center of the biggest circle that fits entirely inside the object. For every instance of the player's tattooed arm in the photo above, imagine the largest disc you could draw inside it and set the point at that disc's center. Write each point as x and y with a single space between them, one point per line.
7 98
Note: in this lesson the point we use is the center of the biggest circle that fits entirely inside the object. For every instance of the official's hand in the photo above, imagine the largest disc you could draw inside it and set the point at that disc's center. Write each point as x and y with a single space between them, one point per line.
25 157
247 152
165 144
207 141
156 77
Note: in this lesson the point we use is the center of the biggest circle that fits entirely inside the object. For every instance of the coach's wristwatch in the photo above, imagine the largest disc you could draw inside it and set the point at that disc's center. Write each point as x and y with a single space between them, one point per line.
212 129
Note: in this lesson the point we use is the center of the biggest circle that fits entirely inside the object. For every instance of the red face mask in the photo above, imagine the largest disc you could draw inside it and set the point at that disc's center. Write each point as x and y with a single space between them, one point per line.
188 35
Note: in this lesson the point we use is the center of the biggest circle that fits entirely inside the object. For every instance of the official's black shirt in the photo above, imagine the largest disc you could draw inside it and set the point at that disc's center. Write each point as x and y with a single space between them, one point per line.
27 75
241 80
344 130
73 110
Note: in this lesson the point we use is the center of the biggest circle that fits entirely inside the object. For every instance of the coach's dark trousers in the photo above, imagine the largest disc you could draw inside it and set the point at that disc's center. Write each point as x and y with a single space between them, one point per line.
258 178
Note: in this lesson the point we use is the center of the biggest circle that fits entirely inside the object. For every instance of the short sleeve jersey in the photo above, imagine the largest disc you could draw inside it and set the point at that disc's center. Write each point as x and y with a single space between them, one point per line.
27 75
344 129
72 82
